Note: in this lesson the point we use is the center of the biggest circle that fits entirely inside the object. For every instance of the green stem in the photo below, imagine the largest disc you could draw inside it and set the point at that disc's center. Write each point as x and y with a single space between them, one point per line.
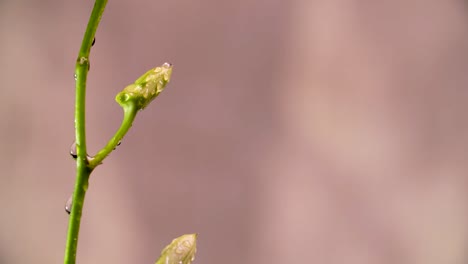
130 111
82 169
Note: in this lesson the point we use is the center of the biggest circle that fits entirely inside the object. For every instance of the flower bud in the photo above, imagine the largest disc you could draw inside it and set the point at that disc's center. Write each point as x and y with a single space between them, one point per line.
180 251
146 88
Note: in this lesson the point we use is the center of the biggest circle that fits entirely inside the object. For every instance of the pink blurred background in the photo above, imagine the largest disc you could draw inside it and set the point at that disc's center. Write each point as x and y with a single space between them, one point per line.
292 131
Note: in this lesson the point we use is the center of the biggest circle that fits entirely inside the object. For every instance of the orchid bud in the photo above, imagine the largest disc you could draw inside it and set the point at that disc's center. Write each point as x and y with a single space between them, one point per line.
146 88
180 251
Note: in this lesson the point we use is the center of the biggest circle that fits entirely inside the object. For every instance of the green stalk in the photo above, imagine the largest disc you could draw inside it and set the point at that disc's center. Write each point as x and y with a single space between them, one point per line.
130 111
82 169
133 98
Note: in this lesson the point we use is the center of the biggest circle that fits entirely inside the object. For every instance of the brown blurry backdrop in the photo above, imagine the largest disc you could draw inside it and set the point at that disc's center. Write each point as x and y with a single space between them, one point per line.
292 131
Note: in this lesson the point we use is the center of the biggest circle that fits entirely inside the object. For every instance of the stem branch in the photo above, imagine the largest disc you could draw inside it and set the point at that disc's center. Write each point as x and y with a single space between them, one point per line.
130 111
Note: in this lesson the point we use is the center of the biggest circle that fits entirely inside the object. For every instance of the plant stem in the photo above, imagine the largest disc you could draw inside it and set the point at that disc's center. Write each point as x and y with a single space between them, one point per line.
130 111
82 169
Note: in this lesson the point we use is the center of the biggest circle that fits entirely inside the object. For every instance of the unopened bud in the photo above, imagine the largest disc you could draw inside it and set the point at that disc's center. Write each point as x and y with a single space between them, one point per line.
146 88
180 251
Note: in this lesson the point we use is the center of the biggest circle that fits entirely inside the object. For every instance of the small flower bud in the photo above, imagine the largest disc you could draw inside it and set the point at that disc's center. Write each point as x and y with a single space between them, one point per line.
146 88
180 251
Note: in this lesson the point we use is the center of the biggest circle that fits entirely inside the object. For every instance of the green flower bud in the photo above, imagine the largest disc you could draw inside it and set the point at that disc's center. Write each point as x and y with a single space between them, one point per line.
180 251
146 88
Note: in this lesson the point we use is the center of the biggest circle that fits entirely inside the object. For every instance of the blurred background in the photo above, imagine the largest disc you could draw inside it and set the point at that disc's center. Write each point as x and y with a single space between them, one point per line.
291 132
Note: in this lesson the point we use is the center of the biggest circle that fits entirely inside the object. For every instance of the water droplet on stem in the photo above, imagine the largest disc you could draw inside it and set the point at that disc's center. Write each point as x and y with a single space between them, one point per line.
68 204
118 144
73 151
